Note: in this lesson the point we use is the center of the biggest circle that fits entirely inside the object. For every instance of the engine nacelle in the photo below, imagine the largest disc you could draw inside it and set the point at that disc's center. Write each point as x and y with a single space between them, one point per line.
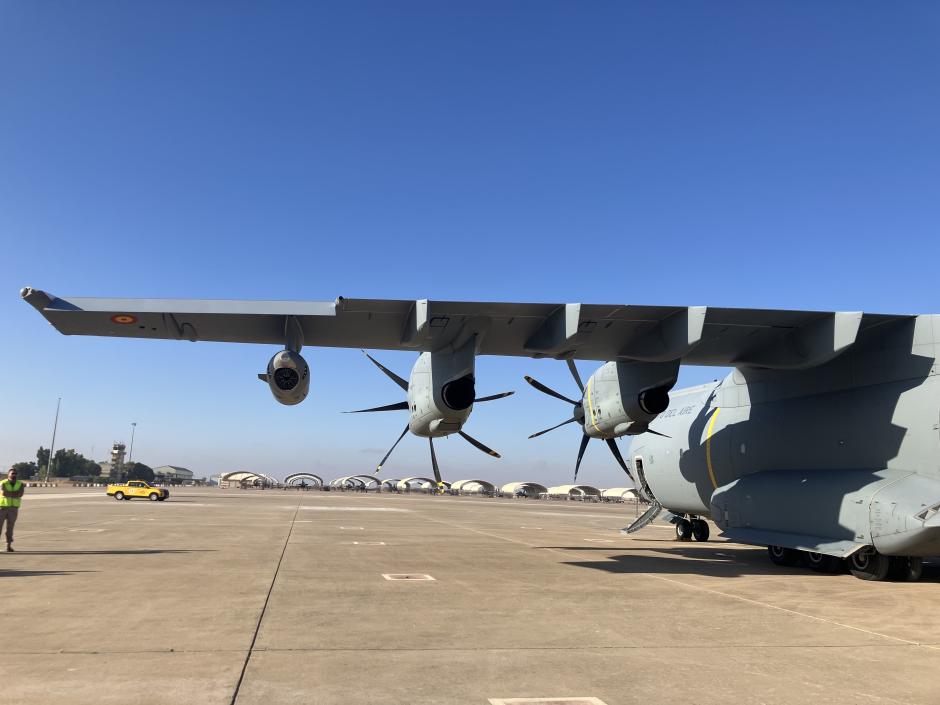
288 376
441 391
622 398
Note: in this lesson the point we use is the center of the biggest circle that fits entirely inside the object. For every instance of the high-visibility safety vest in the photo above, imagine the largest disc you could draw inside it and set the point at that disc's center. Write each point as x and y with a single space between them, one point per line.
11 487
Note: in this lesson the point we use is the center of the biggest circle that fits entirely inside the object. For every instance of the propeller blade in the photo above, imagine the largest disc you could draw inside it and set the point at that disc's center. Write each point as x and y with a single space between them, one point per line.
612 444
400 406
391 375
382 462
571 420
476 444
574 373
584 441
548 390
657 433
494 396
437 470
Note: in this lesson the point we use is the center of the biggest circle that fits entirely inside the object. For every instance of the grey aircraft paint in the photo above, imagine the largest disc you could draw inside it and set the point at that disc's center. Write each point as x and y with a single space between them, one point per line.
823 443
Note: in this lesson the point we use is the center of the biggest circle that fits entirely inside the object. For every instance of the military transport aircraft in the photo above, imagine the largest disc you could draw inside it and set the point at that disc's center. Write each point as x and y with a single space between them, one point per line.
822 444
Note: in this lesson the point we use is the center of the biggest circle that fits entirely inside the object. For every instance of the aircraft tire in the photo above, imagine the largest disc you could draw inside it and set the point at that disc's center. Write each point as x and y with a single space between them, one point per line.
868 564
781 556
700 530
910 569
683 530
822 563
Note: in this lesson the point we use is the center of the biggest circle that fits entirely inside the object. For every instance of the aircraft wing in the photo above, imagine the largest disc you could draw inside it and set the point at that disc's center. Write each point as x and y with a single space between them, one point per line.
697 335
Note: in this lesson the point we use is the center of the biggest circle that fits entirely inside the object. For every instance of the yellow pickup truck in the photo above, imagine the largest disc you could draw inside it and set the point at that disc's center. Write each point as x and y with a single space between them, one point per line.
138 488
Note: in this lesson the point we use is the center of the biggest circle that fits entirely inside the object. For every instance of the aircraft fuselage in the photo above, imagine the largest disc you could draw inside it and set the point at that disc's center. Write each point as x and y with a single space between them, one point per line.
846 453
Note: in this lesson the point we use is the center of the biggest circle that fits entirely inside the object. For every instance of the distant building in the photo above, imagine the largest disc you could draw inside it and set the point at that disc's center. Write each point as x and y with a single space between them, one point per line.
117 460
172 473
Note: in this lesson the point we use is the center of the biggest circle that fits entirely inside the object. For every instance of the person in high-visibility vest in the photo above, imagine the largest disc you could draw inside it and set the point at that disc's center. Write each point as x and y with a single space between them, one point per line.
10 504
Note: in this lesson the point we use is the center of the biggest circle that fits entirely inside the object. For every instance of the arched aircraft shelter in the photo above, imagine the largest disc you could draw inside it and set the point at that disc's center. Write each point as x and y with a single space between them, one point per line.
474 487
298 477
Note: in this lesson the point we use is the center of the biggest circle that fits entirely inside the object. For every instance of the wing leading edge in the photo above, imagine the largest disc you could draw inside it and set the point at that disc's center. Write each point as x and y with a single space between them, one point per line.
697 335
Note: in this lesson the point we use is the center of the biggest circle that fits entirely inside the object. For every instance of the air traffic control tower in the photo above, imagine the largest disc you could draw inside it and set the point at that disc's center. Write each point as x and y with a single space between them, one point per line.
117 459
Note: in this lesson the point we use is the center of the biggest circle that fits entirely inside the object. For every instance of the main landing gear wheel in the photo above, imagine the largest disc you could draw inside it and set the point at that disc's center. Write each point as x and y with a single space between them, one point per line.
783 556
700 530
906 568
119 495
683 530
868 564
822 563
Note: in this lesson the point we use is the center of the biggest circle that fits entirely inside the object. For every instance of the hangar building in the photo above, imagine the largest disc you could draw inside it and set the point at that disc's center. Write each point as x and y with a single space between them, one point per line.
172 473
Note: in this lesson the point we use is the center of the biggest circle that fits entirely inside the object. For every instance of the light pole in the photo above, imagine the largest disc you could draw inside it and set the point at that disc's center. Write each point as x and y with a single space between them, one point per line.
130 454
55 426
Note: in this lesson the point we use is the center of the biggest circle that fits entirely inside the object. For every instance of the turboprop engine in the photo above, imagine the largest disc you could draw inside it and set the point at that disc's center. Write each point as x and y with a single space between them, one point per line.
440 393
288 376
623 398
620 399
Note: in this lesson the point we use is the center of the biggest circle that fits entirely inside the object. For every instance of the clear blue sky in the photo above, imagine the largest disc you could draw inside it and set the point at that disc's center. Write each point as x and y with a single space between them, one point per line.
703 153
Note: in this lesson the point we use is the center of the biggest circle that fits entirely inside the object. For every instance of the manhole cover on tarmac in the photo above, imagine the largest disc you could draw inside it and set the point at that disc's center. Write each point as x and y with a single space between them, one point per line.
406 576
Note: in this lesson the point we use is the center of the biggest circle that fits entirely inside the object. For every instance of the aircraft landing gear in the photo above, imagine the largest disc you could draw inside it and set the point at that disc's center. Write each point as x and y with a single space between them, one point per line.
909 569
865 564
700 530
683 530
783 556
822 563
694 528
868 564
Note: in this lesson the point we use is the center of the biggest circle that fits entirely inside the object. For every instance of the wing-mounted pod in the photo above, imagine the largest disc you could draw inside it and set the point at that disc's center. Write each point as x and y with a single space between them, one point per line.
288 374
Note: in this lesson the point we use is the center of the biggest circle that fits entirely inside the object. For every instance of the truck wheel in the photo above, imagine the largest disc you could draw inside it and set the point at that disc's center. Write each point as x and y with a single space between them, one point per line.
154 496
119 495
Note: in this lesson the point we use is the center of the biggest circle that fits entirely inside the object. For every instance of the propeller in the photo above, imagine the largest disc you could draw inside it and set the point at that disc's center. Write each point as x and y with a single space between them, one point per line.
578 416
403 406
